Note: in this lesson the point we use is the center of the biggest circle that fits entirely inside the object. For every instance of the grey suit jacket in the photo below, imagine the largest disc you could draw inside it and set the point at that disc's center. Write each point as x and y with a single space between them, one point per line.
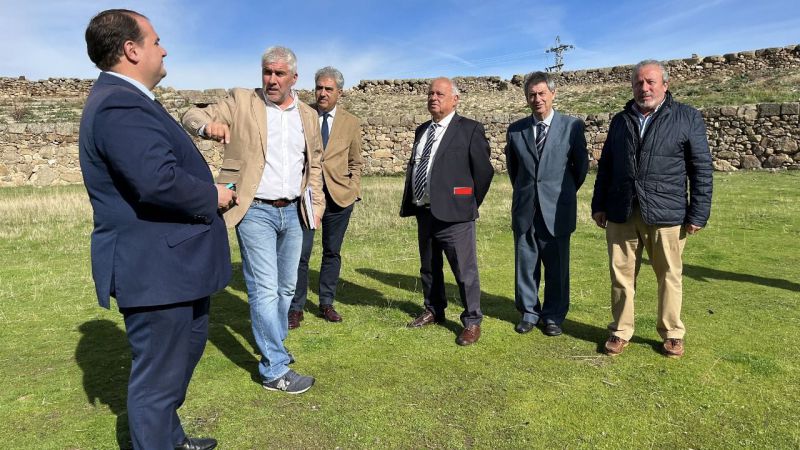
554 177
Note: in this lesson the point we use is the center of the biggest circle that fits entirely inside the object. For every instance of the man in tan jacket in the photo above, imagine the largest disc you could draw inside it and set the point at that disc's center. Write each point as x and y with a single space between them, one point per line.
272 156
341 170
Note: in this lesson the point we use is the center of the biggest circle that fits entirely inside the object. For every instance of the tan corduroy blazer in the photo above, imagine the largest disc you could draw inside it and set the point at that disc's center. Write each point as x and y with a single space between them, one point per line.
244 111
342 162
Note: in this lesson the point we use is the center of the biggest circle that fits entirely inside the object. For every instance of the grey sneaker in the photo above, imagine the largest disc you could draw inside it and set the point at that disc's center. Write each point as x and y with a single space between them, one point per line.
291 383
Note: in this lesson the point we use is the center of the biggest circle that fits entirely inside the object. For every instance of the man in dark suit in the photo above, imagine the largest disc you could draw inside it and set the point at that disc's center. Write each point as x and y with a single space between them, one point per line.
547 162
341 177
447 179
159 245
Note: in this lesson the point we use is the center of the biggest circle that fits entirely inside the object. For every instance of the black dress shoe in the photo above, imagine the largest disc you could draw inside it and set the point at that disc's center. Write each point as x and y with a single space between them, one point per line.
552 329
524 326
197 444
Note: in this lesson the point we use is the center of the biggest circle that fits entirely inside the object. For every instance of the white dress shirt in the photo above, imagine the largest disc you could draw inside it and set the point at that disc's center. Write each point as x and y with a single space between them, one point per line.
443 124
285 152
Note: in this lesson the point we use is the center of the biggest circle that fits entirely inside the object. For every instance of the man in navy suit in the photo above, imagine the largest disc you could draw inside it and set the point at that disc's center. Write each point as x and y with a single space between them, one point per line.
547 162
447 179
159 245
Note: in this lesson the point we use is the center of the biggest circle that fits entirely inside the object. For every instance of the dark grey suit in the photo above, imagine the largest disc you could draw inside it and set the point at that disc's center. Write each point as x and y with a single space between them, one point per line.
544 210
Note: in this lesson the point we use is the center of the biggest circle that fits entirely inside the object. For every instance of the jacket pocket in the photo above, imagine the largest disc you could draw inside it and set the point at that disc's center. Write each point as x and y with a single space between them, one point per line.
184 233
230 172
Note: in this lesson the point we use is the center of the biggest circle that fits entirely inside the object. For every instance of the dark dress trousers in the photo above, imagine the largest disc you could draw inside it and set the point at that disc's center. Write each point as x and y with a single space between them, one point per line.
459 179
341 173
158 246
544 210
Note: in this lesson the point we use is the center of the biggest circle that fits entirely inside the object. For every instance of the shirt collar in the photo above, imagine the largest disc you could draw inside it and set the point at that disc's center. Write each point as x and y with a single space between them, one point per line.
547 120
642 116
130 80
293 105
446 120
331 113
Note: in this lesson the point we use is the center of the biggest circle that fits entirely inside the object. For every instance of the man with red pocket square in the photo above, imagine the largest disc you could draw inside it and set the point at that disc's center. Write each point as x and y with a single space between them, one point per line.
547 162
448 176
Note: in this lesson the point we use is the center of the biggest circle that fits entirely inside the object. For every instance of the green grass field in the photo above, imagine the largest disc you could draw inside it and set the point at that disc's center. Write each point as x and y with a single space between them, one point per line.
64 360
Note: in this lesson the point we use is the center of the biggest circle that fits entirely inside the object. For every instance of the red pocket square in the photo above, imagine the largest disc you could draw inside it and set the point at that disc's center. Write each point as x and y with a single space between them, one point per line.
462 191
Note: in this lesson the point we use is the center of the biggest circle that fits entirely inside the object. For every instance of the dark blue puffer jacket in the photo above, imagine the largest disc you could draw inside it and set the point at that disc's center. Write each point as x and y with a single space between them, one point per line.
657 167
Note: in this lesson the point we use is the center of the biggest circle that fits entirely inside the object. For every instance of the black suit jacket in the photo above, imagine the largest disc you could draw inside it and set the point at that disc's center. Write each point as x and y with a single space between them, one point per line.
460 174
158 238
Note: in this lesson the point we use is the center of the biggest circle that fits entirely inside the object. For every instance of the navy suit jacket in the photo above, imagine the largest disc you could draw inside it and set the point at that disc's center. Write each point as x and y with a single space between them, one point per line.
460 175
555 177
158 238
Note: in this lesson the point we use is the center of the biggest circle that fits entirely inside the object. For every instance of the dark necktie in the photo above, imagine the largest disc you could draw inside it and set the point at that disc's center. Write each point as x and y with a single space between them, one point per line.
325 130
541 133
421 177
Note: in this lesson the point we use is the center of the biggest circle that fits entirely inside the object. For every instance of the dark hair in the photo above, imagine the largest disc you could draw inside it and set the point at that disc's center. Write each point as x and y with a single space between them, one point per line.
534 78
106 34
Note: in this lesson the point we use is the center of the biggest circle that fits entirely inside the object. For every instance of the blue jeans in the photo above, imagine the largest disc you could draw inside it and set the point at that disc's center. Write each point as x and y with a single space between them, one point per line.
270 240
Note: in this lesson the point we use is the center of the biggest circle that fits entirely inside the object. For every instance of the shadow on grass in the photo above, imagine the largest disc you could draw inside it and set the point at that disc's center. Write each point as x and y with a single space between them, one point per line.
492 305
703 274
700 273
105 359
230 316
598 335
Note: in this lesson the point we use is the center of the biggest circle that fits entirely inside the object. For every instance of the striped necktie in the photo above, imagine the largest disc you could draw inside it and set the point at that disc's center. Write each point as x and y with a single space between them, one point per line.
421 177
541 134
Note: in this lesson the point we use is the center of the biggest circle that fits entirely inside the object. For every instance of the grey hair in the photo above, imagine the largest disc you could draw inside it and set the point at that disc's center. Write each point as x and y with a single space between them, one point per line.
453 87
650 62
534 78
280 54
330 72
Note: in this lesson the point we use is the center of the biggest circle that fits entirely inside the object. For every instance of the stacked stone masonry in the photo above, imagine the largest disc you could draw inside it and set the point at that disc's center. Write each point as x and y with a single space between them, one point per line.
763 136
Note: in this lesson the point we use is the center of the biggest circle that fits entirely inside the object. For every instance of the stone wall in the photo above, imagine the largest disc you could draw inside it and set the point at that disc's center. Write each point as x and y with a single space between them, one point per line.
39 119
694 67
420 85
680 69
763 136
745 137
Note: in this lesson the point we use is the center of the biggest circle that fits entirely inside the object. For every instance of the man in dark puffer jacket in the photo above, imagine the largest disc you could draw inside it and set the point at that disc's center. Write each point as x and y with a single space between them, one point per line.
654 146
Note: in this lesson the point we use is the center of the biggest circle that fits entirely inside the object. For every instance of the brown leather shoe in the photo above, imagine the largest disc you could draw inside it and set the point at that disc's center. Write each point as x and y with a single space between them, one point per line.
426 318
469 335
295 317
614 345
673 347
329 314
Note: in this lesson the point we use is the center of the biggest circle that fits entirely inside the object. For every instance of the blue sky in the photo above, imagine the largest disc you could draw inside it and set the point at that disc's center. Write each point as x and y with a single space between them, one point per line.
218 44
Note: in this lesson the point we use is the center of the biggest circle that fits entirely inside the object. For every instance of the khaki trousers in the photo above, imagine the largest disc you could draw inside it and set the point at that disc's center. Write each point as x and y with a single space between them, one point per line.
664 246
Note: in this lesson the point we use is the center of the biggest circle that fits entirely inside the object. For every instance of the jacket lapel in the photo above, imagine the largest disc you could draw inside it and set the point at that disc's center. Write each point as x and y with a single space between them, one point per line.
422 129
527 136
260 113
340 123
444 144
556 129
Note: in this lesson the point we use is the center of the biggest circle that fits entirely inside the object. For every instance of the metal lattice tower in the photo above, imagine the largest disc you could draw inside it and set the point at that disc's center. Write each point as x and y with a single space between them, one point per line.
559 50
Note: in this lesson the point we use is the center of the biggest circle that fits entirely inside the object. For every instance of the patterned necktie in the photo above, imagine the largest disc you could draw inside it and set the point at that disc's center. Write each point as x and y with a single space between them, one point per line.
325 131
421 177
541 133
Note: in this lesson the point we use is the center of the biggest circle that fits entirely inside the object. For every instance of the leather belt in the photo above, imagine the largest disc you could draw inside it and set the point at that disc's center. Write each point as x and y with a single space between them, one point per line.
279 203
